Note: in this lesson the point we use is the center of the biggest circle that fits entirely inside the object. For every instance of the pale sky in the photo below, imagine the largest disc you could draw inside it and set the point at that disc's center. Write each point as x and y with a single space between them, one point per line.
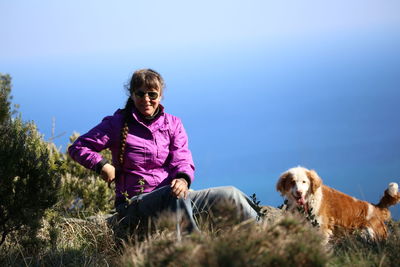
35 29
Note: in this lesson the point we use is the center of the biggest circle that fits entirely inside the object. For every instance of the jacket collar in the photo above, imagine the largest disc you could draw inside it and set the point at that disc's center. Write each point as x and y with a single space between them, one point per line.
153 124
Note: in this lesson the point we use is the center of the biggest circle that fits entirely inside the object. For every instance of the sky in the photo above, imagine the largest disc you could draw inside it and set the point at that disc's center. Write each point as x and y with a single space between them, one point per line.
261 86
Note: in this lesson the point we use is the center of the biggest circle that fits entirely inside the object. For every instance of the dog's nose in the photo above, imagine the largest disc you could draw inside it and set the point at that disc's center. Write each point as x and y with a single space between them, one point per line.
299 192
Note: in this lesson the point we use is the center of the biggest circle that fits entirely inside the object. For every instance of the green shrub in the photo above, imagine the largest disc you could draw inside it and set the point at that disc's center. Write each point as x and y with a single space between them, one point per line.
86 196
83 191
29 177
29 173
5 97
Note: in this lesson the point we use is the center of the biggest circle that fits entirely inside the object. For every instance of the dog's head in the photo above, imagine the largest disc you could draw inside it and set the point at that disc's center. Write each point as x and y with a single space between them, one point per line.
296 184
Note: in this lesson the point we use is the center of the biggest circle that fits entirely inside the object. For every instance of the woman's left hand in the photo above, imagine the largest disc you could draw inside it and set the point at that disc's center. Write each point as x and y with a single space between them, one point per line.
179 188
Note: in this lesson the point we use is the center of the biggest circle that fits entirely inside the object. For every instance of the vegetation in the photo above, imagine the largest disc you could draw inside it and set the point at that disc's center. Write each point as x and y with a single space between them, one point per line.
51 215
29 175
5 97
82 192
288 242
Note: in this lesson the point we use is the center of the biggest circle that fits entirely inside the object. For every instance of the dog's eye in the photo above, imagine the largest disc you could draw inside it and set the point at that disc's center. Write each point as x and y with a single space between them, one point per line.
304 182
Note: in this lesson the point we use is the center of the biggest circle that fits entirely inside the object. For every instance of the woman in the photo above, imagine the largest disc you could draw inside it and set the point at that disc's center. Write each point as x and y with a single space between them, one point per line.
151 164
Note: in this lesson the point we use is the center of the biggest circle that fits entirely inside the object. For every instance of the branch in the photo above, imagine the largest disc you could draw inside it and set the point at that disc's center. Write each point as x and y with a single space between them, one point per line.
3 237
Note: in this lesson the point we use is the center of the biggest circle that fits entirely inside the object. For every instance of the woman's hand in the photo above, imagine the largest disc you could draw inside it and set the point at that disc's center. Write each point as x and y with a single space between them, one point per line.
108 173
179 188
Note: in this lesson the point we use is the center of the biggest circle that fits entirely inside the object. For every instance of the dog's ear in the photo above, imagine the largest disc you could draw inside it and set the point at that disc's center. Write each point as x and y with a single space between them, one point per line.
315 180
280 186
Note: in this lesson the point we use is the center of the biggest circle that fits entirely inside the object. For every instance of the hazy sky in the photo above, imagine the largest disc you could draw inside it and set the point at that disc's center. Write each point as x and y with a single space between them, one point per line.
65 29
261 86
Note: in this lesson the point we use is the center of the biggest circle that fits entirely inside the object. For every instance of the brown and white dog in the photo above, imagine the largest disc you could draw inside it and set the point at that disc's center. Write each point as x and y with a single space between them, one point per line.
333 209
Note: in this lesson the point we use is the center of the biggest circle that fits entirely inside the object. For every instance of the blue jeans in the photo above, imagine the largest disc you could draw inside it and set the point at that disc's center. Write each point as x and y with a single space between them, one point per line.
150 204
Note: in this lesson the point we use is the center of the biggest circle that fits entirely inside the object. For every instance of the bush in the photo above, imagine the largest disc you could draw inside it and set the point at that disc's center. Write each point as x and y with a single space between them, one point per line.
86 196
5 97
83 191
29 176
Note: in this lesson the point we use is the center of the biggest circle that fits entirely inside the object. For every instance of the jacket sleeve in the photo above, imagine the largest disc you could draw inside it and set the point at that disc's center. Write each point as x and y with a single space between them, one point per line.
85 150
181 158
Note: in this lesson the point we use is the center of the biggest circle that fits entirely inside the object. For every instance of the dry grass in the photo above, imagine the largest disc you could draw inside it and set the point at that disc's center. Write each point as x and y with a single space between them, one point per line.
64 242
355 250
290 241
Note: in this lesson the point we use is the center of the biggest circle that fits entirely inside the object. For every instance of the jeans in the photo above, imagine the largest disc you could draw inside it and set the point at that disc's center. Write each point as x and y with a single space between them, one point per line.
150 204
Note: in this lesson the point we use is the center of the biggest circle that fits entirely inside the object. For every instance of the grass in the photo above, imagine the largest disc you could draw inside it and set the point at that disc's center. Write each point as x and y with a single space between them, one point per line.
288 242
353 250
291 241
64 242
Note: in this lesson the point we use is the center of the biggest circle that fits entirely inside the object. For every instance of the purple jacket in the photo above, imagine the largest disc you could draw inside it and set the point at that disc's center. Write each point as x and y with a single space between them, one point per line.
155 150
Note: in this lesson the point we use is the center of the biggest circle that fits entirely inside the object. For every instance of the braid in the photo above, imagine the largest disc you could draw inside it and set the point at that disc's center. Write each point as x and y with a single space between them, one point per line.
147 78
124 130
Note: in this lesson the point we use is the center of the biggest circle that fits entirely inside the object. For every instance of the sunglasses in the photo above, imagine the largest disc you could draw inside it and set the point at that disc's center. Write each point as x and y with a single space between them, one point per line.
152 95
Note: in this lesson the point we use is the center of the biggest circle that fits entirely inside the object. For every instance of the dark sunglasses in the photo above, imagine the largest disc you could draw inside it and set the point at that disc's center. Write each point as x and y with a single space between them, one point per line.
152 95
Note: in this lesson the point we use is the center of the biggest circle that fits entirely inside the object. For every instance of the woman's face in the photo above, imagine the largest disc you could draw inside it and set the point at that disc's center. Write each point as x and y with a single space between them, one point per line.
146 100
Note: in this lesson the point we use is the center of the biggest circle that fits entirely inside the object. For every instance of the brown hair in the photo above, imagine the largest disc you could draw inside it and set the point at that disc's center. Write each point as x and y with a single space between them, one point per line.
147 78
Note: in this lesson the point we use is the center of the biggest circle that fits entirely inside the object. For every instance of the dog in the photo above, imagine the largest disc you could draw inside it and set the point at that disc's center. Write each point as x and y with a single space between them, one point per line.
333 209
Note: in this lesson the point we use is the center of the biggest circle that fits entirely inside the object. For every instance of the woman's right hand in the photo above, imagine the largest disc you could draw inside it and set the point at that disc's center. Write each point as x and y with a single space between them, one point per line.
108 173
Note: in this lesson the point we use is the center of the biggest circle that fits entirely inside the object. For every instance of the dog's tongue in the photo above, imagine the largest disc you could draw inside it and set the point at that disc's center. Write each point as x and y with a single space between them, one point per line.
301 201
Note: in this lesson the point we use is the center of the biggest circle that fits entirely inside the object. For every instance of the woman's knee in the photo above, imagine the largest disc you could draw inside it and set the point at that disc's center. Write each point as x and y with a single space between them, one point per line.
228 191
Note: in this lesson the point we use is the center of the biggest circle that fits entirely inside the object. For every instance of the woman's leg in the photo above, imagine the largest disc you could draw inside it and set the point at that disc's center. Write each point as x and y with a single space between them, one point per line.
207 199
149 205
